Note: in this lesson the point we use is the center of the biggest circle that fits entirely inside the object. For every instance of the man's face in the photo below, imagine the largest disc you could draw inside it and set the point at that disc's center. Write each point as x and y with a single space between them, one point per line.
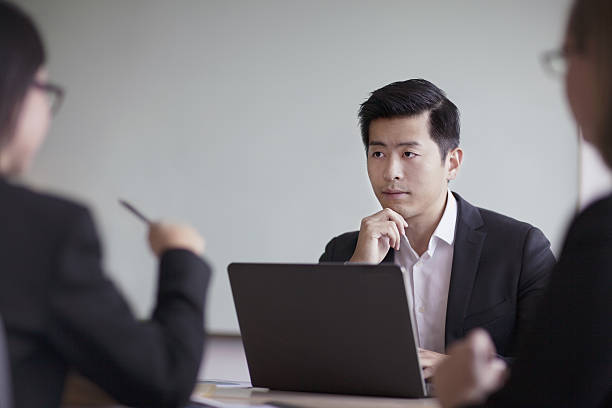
30 130
582 90
405 167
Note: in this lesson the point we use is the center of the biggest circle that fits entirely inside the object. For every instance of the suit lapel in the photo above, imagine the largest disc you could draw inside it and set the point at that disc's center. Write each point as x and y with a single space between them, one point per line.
469 239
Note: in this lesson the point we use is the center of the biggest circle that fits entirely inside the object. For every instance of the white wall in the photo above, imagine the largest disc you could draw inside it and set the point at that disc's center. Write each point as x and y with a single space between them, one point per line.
240 116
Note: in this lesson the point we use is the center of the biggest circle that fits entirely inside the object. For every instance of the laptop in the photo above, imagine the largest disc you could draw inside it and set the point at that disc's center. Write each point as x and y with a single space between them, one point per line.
327 328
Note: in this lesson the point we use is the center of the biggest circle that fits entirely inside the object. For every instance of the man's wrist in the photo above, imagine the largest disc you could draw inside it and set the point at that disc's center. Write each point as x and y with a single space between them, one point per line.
355 259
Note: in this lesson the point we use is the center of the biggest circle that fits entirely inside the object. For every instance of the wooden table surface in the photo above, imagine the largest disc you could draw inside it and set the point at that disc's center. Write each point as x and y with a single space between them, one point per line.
254 396
81 393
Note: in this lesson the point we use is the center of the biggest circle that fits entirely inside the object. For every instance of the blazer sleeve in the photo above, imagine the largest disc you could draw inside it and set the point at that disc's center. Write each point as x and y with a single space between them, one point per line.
144 363
567 360
328 255
340 248
537 264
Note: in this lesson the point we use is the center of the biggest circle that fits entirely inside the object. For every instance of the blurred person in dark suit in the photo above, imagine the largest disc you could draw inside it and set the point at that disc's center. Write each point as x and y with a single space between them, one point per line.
59 309
567 360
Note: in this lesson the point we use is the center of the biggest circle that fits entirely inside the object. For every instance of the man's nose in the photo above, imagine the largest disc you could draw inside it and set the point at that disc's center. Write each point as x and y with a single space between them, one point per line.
393 170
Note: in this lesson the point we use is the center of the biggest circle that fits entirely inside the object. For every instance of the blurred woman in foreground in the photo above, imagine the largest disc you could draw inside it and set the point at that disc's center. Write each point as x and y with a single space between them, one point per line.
59 309
567 361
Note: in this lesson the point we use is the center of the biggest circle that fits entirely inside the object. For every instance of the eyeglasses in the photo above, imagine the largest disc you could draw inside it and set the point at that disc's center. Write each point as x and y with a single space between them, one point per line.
555 61
55 93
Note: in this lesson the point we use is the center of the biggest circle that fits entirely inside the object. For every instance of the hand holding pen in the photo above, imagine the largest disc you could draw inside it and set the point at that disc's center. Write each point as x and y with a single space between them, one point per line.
164 236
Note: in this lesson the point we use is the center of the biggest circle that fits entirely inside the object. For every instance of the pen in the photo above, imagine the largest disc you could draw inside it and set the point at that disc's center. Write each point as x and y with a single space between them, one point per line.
134 211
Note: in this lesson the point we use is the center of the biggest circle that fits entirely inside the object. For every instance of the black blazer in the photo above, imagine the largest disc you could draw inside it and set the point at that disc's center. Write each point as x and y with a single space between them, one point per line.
500 268
61 311
567 360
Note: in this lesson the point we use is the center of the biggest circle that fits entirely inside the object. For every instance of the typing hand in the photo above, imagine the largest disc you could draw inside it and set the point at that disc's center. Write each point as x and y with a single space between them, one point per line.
164 236
379 233
430 361
471 372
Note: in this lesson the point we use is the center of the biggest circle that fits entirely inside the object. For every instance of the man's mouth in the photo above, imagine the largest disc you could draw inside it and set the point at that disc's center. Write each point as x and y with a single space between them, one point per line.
394 193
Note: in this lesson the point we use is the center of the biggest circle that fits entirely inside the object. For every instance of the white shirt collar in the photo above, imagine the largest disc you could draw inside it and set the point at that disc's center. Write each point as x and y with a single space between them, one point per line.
446 227
445 231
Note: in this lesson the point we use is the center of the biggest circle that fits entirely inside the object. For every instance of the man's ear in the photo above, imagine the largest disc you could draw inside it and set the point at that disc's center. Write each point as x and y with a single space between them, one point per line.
453 162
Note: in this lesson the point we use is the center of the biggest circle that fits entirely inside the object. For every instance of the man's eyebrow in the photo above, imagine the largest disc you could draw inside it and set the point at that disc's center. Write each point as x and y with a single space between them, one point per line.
409 144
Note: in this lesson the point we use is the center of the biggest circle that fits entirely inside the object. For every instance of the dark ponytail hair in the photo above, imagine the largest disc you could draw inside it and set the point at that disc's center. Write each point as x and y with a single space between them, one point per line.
22 54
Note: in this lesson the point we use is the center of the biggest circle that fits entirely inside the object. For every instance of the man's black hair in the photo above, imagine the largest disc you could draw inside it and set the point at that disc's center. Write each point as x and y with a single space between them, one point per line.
411 98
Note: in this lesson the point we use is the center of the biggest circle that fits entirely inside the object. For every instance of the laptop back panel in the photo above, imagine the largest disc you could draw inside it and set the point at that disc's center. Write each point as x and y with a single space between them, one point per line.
328 328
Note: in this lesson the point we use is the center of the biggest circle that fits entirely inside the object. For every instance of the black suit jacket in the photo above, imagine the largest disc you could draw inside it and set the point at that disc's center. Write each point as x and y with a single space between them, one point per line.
60 310
500 269
567 360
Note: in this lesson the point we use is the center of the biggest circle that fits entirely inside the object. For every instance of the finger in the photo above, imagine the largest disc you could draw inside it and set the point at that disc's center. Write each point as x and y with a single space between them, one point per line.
425 358
154 229
427 373
500 368
397 219
392 227
385 240
388 214
392 214
481 343
495 374
386 230
425 363
428 361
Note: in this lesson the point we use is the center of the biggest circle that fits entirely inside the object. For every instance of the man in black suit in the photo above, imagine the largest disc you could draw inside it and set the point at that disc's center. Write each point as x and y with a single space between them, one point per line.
465 266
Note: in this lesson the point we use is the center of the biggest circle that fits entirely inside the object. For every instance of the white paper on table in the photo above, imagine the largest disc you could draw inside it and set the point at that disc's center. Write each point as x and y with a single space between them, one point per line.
216 404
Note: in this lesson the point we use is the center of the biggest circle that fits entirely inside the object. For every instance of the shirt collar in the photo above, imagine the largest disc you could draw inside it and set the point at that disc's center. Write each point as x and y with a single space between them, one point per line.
445 231
446 227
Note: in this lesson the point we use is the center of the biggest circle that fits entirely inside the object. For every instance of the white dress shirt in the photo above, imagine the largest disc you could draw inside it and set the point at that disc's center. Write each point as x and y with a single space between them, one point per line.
427 279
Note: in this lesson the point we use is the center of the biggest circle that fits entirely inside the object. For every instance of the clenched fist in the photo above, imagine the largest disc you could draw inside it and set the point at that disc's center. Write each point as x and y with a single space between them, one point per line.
165 235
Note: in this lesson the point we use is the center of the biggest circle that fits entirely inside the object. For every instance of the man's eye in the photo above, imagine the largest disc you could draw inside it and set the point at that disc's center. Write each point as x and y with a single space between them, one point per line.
377 154
409 154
